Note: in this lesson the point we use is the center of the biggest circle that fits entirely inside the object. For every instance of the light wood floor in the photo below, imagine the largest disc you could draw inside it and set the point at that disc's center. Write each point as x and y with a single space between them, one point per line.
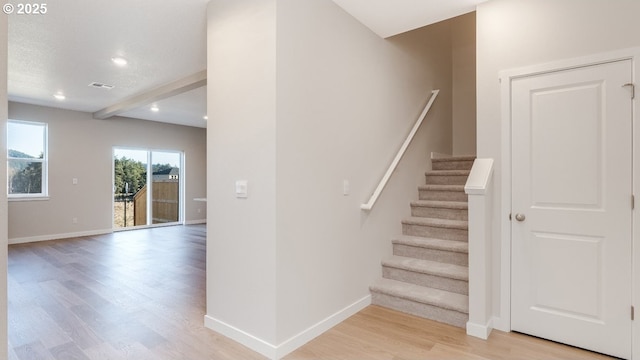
141 295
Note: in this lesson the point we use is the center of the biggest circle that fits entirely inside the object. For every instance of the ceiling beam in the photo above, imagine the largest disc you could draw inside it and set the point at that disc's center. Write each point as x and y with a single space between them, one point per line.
177 87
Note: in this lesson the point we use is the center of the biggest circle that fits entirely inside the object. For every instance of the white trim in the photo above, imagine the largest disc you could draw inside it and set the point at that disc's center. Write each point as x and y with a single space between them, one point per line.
318 329
277 352
28 198
481 331
195 222
44 186
568 64
149 195
479 177
31 239
503 321
182 187
480 187
635 275
256 344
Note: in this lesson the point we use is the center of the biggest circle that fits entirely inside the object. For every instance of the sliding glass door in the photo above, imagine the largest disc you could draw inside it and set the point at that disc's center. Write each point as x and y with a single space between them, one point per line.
165 197
147 187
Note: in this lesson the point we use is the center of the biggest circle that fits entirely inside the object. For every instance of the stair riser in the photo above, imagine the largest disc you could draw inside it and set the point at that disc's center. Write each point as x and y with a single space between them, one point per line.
440 213
452 165
427 280
442 256
446 179
418 309
435 232
442 195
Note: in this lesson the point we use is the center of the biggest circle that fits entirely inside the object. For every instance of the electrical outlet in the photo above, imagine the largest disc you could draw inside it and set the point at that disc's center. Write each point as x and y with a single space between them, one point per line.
74 220
199 210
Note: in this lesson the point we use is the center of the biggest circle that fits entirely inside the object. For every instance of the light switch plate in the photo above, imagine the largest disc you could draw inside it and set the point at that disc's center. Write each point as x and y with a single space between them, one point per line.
241 189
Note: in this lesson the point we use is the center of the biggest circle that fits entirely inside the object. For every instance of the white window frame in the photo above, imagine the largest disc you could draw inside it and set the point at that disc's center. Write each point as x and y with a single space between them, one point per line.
44 194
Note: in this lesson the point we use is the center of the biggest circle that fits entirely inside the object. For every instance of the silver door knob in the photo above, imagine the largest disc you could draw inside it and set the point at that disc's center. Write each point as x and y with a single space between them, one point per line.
520 217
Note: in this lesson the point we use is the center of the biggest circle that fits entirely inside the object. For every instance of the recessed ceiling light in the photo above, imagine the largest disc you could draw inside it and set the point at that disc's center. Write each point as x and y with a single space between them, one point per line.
155 108
205 117
119 61
59 96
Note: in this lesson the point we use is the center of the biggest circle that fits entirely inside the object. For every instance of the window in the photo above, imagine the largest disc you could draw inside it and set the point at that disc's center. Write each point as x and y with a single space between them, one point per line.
26 159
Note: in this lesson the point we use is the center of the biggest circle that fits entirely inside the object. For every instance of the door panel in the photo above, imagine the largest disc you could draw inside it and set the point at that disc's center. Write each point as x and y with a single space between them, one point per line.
558 113
571 254
165 196
129 187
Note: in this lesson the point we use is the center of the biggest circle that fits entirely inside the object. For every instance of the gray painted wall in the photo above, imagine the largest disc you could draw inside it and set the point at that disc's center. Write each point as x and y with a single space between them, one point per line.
463 40
515 34
301 97
81 147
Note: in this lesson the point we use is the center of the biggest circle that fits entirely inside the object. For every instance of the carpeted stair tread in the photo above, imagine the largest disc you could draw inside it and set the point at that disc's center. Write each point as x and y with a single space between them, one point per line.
448 172
454 158
428 273
441 204
428 267
432 187
439 223
429 243
453 163
421 294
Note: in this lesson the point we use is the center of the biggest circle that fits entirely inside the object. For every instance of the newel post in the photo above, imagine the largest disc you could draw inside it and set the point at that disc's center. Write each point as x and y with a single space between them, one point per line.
479 188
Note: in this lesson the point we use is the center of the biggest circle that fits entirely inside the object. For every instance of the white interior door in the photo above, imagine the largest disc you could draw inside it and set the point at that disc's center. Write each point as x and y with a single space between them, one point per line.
572 216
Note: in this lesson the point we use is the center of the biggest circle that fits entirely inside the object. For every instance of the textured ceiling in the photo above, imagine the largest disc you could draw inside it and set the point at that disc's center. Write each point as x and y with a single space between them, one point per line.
72 45
391 17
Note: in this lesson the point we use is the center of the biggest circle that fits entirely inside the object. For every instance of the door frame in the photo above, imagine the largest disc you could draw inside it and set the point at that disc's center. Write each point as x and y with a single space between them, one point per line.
181 188
502 227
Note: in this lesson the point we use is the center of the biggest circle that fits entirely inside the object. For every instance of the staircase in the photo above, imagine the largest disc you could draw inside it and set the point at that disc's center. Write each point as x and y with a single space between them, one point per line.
428 274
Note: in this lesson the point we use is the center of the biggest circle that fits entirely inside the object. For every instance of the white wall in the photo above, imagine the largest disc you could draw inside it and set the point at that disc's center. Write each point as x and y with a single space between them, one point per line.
346 100
241 145
463 48
513 34
302 97
81 147
3 196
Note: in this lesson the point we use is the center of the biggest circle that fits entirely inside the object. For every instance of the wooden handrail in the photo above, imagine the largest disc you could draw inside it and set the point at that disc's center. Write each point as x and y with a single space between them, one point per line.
383 182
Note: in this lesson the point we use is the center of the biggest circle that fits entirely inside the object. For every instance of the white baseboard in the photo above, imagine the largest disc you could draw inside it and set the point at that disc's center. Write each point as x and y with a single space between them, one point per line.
195 222
277 352
481 331
30 239
258 345
501 323
318 329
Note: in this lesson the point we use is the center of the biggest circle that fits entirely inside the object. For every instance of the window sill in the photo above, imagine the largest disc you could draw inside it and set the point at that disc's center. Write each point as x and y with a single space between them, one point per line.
28 198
